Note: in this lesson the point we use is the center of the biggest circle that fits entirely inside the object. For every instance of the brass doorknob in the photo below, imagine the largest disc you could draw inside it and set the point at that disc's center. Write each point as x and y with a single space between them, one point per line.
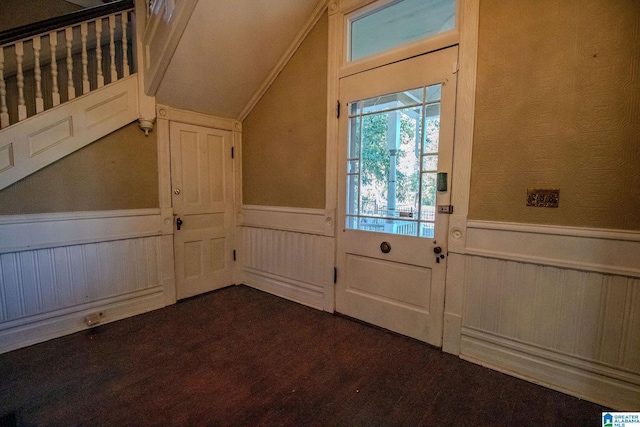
385 247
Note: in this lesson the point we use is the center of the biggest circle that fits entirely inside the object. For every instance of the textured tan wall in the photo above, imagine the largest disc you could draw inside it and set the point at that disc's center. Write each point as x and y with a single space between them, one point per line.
118 171
284 136
558 106
15 13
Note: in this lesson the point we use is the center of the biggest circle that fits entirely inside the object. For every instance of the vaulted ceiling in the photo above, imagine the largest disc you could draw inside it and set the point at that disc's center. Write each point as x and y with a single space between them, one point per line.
228 50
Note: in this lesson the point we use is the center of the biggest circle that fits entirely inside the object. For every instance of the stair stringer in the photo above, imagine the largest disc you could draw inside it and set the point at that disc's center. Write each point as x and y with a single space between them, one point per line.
38 141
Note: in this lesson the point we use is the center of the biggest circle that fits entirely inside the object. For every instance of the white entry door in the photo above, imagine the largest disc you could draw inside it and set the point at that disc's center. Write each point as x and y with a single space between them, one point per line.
396 150
202 184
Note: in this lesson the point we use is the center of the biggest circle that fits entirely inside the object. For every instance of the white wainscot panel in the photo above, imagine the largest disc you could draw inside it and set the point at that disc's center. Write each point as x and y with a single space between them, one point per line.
292 265
573 325
41 281
47 288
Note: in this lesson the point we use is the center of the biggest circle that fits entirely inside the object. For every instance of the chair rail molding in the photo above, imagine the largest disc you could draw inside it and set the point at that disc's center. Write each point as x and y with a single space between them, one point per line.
605 251
302 220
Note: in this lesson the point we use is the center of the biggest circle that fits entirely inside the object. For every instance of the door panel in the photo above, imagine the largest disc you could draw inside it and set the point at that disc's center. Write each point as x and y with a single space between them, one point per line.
400 284
395 138
202 180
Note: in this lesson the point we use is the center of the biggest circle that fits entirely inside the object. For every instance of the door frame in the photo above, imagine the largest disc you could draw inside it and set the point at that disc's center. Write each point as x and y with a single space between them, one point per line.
165 115
466 37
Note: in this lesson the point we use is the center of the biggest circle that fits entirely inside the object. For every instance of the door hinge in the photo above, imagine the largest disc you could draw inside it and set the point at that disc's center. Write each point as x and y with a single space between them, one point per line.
338 109
335 275
233 154
234 254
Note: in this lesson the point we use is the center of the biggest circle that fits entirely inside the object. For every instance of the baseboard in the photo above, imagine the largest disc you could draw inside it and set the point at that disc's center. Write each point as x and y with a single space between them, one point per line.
451 334
300 292
43 327
604 385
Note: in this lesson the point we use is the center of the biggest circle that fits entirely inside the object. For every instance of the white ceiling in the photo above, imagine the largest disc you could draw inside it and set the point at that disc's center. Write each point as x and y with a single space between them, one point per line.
228 50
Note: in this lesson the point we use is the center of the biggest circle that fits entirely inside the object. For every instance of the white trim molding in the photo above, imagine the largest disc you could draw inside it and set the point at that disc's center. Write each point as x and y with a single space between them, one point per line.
302 220
469 16
199 119
30 232
469 12
604 251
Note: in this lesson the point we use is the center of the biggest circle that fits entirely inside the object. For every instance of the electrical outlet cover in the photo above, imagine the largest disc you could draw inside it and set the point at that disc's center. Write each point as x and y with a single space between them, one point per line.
543 198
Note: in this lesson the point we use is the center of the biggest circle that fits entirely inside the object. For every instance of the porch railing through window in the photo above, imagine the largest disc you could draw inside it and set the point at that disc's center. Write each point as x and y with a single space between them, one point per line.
51 62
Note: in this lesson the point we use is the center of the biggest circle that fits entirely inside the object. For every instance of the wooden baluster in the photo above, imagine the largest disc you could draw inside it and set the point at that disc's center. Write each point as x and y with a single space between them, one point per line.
99 52
55 92
37 46
112 47
71 90
125 47
84 30
4 111
22 108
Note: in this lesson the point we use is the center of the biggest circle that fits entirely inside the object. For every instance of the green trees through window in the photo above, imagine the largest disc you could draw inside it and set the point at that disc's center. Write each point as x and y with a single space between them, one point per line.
393 160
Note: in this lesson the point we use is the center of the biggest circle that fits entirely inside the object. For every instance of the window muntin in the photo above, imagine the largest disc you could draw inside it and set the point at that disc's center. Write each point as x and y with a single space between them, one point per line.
398 23
392 162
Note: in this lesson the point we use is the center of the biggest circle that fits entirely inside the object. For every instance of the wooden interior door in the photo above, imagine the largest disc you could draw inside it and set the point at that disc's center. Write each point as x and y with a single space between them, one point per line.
202 183
392 240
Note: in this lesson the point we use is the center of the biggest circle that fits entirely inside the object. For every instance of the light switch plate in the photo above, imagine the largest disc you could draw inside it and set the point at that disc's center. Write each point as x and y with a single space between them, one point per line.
543 198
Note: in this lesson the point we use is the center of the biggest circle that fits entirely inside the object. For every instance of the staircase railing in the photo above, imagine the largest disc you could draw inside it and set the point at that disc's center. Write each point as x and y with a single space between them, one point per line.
51 62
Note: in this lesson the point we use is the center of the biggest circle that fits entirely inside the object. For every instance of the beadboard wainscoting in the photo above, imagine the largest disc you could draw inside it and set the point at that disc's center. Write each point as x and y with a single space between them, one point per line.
55 269
555 305
289 252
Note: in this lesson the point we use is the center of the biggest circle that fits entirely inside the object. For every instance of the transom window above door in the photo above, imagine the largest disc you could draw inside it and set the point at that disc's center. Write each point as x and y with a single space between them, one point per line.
392 162
391 24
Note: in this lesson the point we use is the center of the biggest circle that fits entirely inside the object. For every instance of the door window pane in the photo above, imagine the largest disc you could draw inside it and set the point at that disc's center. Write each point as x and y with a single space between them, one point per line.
397 23
354 137
432 128
393 101
390 176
